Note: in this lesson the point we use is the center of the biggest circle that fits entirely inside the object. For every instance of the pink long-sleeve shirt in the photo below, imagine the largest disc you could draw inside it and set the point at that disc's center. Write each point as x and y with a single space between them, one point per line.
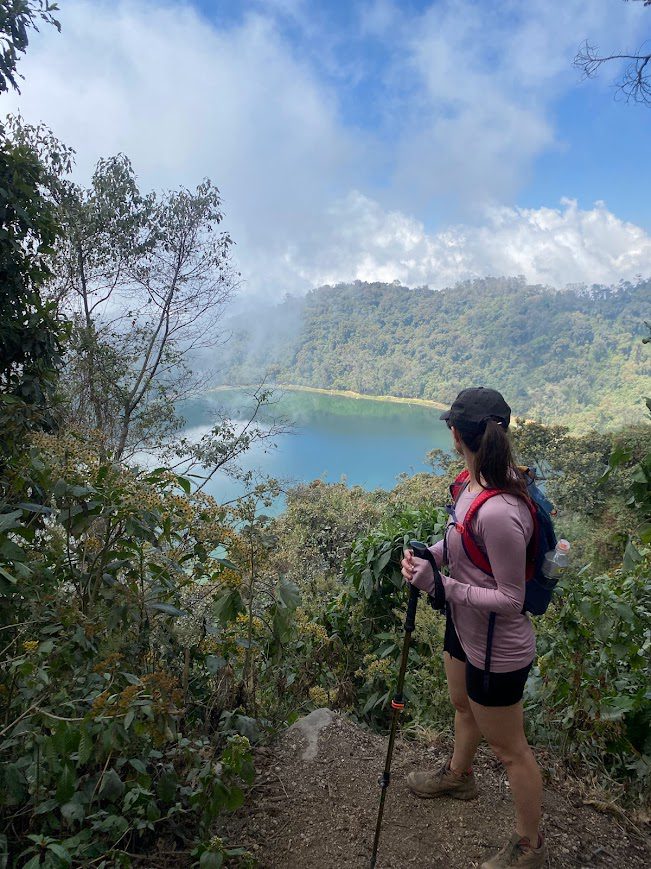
503 527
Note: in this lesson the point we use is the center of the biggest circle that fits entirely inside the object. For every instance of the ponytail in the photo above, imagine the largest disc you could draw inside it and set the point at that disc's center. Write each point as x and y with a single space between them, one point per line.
493 459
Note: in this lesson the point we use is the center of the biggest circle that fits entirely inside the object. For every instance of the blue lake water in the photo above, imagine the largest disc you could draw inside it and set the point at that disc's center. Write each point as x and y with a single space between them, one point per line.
367 443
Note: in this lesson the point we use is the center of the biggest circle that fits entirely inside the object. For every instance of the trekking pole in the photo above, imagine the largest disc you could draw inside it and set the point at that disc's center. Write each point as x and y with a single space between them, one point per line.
397 705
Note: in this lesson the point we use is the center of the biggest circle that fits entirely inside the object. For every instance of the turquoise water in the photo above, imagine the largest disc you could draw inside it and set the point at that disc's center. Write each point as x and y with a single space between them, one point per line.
367 443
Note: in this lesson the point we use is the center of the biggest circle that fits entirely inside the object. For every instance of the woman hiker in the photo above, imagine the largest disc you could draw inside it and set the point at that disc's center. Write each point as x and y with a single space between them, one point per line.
486 687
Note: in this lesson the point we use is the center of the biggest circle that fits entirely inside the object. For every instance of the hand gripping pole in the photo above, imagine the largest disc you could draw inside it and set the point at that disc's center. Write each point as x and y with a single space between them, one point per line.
397 705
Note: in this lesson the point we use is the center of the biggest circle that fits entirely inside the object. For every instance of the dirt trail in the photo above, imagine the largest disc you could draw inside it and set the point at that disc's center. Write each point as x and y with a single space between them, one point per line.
314 806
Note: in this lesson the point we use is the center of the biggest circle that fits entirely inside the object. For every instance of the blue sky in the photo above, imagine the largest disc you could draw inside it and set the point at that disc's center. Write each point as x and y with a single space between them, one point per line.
601 143
420 141
601 154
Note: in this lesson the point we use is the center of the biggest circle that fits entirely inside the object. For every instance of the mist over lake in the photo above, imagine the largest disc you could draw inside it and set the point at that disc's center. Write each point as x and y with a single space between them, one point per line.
366 442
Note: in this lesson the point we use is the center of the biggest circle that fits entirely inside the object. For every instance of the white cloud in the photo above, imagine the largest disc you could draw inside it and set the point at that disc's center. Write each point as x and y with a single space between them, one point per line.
185 100
465 100
478 80
549 246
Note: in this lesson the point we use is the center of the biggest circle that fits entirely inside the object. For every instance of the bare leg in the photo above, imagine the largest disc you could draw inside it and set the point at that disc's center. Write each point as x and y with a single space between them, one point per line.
467 734
503 727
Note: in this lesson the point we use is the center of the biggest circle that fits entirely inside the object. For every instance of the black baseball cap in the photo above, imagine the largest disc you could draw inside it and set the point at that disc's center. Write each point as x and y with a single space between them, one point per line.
475 406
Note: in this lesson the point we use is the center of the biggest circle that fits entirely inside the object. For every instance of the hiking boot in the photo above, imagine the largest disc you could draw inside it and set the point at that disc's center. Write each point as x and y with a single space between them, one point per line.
442 783
518 852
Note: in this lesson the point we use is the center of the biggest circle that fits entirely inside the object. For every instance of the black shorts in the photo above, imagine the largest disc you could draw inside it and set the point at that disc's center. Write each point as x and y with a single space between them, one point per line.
503 689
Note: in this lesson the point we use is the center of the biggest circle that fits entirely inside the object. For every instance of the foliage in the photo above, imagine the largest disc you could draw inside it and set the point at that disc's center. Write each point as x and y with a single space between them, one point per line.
567 356
368 614
16 17
146 278
260 610
317 526
589 690
103 698
31 333
589 479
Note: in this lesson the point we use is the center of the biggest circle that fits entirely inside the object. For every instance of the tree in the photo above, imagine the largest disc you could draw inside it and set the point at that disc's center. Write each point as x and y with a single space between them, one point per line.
635 81
30 330
16 18
145 279
29 347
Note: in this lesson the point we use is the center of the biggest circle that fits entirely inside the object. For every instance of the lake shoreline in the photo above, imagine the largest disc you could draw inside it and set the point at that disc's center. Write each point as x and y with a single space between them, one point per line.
343 393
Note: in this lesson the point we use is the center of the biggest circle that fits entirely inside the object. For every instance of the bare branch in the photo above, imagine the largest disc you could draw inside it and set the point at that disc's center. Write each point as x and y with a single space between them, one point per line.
635 82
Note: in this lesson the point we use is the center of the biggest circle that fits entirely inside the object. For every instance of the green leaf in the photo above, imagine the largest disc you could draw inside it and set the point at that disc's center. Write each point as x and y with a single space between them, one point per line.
645 533
211 860
128 718
288 593
46 807
234 722
81 491
112 786
155 475
166 608
34 508
10 520
8 576
619 456
60 852
11 551
114 824
72 812
631 556
235 799
66 785
167 784
225 562
370 703
616 708
14 785
228 605
184 484
60 489
85 747
381 563
138 765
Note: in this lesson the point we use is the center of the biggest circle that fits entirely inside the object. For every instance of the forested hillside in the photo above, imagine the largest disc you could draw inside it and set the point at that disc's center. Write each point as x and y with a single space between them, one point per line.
571 355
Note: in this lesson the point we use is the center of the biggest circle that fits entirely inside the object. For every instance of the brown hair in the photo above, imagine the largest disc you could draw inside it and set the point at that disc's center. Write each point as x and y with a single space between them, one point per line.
493 457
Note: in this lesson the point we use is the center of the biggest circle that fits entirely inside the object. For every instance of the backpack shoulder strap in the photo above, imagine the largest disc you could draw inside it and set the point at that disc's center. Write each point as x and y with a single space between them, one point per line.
459 484
471 547
468 539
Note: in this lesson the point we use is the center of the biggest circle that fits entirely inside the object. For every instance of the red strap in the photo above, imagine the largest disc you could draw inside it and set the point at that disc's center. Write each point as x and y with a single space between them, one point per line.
534 542
471 547
459 483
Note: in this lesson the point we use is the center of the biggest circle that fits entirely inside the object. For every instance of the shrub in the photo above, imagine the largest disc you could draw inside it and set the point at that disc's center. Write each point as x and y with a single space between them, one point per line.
101 692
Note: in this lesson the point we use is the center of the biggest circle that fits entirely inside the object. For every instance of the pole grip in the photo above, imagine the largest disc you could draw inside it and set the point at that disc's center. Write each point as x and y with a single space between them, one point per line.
410 620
